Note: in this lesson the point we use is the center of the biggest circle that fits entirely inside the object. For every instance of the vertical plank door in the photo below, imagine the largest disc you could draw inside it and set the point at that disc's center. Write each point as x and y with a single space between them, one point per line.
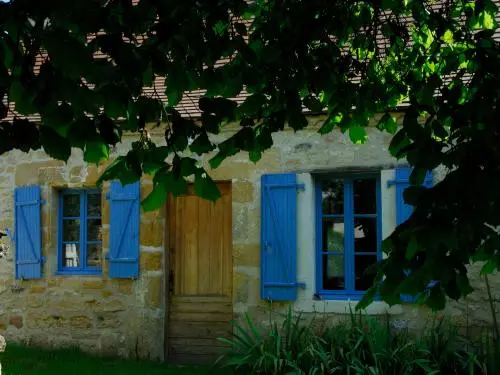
200 280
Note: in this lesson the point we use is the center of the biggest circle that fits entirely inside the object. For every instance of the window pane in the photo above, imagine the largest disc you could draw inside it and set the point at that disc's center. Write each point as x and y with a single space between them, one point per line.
365 235
333 234
94 232
363 281
71 255
332 193
71 230
333 272
365 196
94 204
94 253
71 205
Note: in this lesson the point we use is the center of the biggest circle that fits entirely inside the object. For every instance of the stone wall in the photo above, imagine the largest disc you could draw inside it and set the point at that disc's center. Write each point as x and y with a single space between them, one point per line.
113 317
126 317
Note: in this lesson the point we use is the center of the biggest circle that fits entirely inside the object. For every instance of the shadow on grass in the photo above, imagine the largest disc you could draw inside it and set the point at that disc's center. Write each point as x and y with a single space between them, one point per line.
19 360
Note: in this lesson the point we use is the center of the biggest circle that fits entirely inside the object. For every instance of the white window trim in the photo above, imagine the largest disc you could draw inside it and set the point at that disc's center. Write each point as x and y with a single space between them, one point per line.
306 233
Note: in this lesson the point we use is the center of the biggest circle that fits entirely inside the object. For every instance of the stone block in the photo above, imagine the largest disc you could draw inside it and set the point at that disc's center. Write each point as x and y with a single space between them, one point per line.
69 303
75 174
125 286
243 192
153 291
52 283
45 320
92 175
93 284
241 286
105 211
232 168
105 237
28 173
151 233
35 302
54 176
108 320
39 340
247 255
106 293
108 344
5 180
246 224
114 305
151 261
80 321
16 321
37 289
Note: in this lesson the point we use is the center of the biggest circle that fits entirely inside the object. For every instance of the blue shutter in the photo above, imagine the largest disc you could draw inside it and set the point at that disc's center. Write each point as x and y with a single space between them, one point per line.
124 230
404 210
28 232
279 237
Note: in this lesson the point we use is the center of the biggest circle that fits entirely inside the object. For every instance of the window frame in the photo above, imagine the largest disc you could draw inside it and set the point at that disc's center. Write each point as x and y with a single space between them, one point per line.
349 293
83 269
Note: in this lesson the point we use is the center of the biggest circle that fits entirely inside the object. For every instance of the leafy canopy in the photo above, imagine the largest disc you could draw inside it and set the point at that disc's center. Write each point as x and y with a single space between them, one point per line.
91 70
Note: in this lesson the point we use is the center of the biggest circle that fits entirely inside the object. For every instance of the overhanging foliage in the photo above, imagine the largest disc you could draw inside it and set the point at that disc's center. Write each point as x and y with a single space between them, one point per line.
93 69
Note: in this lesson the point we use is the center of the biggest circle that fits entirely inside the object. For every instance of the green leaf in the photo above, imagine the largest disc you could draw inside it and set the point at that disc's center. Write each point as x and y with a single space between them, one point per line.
388 123
156 199
330 123
240 28
118 170
358 134
485 19
177 82
398 143
489 267
202 145
205 187
424 36
463 284
417 176
255 156
151 167
109 130
412 248
448 37
95 152
54 145
297 120
436 299
313 103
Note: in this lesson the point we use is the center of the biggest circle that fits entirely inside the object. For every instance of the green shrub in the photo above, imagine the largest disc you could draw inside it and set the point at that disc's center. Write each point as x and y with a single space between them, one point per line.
357 346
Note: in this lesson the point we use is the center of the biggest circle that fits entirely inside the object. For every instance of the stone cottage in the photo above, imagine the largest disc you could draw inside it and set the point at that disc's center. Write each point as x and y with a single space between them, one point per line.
88 268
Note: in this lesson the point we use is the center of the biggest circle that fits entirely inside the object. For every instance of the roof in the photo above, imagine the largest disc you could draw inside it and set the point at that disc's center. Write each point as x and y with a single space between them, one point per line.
188 106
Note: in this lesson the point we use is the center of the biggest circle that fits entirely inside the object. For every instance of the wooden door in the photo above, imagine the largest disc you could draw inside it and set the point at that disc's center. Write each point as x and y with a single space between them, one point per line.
200 294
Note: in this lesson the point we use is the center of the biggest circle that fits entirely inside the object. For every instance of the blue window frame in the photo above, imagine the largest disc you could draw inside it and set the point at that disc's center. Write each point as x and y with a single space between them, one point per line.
80 232
348 234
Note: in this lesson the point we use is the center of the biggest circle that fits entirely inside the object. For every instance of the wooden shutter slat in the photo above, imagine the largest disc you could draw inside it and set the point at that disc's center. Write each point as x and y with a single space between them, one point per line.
404 210
279 237
28 234
124 230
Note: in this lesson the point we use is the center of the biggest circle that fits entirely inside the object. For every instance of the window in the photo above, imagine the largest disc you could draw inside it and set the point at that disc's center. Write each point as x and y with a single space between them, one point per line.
348 235
80 232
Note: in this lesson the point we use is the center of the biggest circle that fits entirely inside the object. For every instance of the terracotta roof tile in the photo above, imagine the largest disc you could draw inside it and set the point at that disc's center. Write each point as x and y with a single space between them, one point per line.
188 105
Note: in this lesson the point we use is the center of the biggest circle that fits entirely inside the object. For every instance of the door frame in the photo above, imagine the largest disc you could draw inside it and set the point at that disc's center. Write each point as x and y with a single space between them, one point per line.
166 270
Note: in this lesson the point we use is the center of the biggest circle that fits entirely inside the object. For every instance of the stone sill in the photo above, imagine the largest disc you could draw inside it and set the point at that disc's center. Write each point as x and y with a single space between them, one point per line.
346 307
79 274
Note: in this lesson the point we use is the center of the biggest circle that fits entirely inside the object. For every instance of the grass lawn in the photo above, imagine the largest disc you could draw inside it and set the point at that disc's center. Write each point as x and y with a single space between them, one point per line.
17 360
